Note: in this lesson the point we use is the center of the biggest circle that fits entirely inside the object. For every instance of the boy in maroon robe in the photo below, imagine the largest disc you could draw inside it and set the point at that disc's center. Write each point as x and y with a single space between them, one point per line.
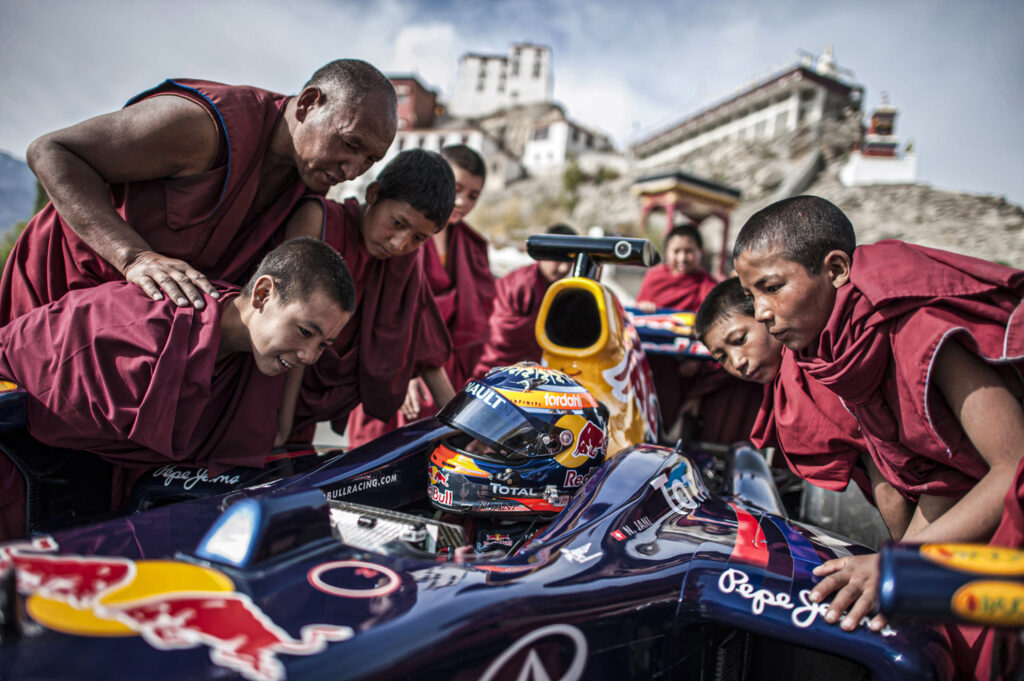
142 382
922 346
818 439
517 300
722 407
456 265
190 180
397 331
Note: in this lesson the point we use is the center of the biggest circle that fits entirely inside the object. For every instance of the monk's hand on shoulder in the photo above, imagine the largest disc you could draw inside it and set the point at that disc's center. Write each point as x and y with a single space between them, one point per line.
159 275
854 581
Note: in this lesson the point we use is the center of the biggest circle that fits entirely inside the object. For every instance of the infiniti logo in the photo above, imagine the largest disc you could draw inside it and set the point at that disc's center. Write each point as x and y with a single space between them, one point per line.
525 660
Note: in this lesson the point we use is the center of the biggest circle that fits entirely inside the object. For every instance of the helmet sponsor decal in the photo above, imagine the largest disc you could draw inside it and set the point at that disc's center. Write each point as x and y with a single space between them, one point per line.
112 596
588 441
438 497
437 476
486 395
543 399
557 652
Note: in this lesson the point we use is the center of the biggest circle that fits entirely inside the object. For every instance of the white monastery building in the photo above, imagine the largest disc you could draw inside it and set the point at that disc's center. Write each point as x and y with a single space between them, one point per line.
486 83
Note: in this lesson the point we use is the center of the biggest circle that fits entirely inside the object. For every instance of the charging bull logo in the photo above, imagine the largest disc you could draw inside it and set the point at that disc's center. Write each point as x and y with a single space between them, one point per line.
95 596
588 445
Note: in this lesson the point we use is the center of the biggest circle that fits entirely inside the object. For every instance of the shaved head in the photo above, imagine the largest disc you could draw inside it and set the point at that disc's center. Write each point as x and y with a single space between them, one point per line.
804 228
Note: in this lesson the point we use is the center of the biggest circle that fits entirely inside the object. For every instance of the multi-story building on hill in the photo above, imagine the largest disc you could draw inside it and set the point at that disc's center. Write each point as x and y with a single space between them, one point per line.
805 92
486 82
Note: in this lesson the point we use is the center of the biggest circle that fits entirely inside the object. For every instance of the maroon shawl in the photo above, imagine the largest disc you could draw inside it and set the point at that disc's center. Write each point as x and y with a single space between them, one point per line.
664 288
396 330
464 290
818 438
207 220
512 337
878 348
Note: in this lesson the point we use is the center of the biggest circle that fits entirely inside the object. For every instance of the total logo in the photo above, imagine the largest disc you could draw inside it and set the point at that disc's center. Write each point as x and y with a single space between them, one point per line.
498 488
563 400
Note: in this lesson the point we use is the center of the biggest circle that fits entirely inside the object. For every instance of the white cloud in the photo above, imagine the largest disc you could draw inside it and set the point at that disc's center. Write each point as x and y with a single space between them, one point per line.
953 68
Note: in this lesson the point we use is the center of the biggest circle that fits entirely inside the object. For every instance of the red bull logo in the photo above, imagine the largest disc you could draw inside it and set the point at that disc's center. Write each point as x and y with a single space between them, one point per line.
437 476
101 596
443 498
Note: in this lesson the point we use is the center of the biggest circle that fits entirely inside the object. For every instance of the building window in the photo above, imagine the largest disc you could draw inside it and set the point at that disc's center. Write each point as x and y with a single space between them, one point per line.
515 67
536 69
780 122
760 128
540 132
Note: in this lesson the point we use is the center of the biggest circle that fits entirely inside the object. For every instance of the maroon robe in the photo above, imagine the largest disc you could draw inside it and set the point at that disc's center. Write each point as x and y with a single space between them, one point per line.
512 336
396 331
665 288
137 382
208 220
877 352
728 405
819 440
463 289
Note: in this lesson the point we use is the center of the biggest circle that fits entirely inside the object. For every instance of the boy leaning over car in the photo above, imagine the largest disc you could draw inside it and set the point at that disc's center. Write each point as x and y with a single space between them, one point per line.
142 382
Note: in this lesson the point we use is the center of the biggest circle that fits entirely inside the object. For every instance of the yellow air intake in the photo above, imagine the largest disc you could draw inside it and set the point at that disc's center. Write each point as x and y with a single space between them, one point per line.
582 331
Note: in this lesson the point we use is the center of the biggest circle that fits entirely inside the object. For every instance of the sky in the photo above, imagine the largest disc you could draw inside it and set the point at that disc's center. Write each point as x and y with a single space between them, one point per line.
954 69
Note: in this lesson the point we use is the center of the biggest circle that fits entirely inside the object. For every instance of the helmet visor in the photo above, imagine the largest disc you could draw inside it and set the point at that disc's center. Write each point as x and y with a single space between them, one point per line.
491 418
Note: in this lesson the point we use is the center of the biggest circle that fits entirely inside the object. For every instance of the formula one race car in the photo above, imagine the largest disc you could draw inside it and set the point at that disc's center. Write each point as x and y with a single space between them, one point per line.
665 563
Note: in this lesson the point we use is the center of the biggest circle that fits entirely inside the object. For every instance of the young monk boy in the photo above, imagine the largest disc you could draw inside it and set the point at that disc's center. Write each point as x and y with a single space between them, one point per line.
922 346
517 300
397 331
457 268
142 382
818 439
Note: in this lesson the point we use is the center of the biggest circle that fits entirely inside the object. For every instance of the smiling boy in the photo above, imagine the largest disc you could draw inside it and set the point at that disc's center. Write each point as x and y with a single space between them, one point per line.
142 382
397 331
922 346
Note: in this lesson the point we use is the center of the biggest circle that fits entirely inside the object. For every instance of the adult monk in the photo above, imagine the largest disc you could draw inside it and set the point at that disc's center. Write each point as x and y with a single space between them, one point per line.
517 300
189 182
397 331
456 264
142 382
924 347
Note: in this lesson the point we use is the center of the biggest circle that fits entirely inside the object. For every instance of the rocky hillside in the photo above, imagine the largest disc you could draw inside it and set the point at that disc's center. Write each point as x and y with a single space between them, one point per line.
804 161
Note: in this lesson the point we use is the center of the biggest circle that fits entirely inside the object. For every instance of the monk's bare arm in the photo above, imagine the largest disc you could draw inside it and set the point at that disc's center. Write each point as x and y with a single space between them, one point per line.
286 412
439 385
994 421
896 511
159 137
306 220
